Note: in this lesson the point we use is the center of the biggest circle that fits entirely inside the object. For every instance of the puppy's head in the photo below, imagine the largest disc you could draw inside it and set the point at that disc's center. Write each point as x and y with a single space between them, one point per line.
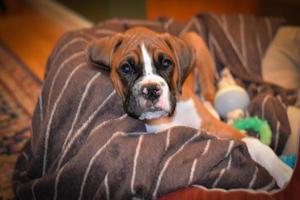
146 68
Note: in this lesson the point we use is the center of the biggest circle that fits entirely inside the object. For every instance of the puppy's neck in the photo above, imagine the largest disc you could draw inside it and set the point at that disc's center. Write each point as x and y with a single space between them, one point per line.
185 115
159 121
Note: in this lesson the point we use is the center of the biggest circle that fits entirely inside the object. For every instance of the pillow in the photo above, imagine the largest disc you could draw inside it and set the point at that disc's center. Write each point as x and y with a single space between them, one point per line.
281 63
292 144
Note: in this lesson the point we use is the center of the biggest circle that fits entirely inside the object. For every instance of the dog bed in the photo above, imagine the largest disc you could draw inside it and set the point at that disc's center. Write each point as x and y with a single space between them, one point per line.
85 147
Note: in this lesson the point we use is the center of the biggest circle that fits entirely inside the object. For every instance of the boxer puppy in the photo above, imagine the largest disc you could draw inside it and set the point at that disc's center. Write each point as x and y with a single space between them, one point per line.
154 75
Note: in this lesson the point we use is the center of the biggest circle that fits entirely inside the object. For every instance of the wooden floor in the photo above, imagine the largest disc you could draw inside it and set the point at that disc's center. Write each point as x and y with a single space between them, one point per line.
29 33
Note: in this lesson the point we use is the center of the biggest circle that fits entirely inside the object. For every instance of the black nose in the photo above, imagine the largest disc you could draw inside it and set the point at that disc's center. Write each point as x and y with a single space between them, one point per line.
151 92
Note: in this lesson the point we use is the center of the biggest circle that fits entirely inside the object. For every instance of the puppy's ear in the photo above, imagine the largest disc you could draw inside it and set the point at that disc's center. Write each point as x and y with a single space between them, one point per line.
184 57
100 52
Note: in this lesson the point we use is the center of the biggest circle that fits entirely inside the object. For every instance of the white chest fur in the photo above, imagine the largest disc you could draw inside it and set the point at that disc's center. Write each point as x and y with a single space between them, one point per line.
185 115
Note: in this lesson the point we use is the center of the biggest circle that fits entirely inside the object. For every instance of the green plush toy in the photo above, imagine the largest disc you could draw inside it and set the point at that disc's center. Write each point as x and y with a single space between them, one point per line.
256 124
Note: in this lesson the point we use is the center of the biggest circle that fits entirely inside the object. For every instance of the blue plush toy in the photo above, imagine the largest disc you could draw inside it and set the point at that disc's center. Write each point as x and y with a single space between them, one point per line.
230 97
290 160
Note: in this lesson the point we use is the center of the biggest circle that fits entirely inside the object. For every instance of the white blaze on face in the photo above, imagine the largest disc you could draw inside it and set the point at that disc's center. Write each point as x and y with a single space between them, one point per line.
149 77
148 68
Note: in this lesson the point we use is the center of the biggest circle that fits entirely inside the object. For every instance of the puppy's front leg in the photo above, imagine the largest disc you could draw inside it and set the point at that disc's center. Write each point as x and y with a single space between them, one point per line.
266 157
209 122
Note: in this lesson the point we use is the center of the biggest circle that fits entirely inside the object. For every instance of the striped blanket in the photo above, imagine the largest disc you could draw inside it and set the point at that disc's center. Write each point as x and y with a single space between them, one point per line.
85 147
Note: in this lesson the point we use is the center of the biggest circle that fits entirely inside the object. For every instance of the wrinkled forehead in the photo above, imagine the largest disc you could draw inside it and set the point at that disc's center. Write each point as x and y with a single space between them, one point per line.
132 47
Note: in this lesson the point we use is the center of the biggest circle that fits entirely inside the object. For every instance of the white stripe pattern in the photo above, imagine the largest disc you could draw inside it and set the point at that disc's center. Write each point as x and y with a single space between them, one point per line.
225 24
198 27
266 98
219 50
218 19
169 22
52 114
106 187
75 55
243 42
221 174
79 131
277 136
281 101
41 108
192 171
231 143
106 122
61 159
88 35
269 28
231 41
258 44
79 108
92 162
57 182
253 178
68 44
25 156
136 156
168 161
168 139
269 186
32 189
186 28
206 147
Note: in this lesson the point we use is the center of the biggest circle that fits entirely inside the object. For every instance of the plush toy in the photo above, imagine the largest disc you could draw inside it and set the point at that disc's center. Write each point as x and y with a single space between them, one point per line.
231 102
230 96
290 160
256 124
263 129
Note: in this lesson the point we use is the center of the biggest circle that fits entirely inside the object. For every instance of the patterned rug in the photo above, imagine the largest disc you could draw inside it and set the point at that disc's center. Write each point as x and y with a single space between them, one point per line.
19 90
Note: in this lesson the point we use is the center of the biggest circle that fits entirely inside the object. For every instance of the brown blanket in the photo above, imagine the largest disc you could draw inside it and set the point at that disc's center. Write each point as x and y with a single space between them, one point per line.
85 147
240 42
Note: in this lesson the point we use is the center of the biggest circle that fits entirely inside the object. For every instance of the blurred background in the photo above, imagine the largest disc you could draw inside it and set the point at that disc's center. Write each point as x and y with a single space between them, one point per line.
31 27
96 10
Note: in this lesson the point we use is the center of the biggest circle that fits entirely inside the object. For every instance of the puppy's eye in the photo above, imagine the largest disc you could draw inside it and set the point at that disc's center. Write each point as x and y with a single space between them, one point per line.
164 62
126 68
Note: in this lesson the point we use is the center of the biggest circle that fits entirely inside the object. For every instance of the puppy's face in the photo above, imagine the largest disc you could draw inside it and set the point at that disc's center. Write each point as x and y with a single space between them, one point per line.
146 68
145 72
